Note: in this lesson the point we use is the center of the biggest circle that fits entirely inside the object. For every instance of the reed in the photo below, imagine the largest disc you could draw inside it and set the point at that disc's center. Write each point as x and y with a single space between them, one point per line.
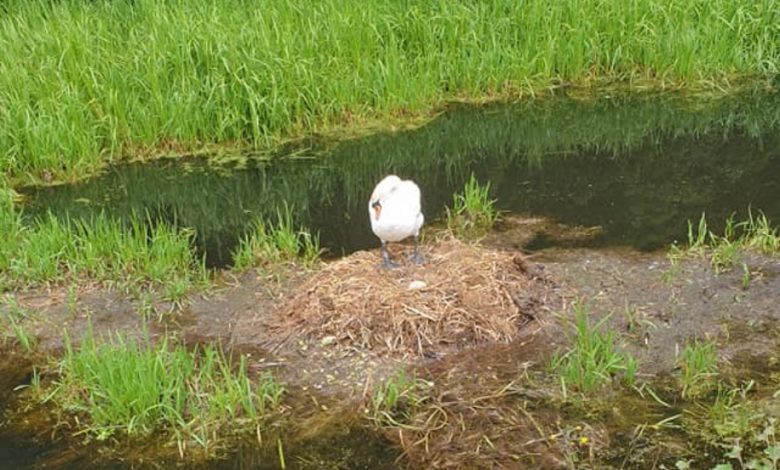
53 250
136 387
270 245
593 360
83 83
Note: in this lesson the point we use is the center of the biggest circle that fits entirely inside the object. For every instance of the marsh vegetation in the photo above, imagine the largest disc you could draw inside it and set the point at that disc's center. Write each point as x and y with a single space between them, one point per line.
121 385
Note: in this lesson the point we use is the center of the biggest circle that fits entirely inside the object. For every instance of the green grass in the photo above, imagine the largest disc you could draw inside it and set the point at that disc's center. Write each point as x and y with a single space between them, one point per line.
25 340
725 251
53 250
396 399
272 244
136 388
593 360
699 368
472 213
82 83
12 320
742 422
760 449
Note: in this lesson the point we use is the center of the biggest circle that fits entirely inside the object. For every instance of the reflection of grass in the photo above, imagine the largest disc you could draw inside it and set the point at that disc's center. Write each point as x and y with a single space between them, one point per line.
592 361
274 244
472 213
699 365
725 251
526 132
137 388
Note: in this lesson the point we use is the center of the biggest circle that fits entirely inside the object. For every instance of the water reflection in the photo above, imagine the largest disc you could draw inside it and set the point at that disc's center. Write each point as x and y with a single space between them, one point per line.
639 166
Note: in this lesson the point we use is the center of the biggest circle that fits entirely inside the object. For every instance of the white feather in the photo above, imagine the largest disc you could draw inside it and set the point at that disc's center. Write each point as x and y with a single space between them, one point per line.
400 216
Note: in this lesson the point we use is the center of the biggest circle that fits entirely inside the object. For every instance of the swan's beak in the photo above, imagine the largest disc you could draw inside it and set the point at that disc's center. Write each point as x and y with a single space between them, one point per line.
377 209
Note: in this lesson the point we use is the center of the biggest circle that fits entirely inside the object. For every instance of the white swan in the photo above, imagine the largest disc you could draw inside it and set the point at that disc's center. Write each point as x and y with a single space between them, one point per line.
394 210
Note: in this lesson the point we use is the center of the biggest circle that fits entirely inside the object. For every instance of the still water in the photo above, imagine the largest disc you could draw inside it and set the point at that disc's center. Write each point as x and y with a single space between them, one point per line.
637 166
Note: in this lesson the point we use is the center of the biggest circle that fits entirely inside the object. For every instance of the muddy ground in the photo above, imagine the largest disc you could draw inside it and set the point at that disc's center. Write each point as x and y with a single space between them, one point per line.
492 406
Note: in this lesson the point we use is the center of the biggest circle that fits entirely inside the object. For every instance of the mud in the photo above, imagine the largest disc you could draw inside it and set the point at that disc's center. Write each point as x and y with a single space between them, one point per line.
671 305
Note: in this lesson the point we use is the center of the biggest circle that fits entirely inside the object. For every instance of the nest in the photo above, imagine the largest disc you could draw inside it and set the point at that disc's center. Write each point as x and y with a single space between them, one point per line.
461 296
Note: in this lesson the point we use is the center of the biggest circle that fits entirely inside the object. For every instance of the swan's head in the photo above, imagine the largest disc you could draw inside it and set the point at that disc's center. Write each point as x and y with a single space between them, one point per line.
382 190
377 207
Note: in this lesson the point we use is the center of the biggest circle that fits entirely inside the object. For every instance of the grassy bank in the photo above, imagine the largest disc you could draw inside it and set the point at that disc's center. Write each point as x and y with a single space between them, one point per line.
84 83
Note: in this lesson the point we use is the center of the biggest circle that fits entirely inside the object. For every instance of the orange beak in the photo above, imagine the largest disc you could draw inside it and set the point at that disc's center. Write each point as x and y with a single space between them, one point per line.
377 211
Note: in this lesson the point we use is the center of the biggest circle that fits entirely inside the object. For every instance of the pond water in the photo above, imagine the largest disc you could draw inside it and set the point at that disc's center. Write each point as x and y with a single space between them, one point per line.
24 447
638 166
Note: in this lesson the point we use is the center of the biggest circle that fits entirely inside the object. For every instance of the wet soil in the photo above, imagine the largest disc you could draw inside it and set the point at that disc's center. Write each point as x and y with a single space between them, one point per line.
493 406
660 307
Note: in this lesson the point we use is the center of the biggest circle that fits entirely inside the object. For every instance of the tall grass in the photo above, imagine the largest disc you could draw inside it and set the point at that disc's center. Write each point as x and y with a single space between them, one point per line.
81 83
101 249
134 387
472 213
593 359
273 244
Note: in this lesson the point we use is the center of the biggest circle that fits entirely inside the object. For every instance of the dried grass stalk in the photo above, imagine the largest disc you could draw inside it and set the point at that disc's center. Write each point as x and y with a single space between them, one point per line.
467 299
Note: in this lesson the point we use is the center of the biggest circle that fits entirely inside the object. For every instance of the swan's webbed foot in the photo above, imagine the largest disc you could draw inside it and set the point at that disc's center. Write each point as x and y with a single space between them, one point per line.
416 257
387 263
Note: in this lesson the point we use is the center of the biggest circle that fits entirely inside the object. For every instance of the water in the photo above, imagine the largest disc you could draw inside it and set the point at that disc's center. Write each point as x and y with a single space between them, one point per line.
638 166
24 449
28 441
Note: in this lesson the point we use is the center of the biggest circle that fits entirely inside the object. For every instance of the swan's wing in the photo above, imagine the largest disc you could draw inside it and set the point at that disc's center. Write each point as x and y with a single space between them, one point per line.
407 196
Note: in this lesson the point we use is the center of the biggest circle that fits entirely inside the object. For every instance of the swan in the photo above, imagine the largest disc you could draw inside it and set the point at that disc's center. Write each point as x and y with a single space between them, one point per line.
394 210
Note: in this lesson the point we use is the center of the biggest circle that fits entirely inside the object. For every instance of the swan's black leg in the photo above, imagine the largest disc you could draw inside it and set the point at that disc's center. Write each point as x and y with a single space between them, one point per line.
416 257
386 261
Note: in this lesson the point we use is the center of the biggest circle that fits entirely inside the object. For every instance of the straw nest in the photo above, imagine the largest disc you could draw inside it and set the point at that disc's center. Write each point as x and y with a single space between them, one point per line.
461 296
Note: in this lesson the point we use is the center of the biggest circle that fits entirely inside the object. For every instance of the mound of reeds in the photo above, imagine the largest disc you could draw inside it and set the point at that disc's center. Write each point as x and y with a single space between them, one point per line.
461 296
